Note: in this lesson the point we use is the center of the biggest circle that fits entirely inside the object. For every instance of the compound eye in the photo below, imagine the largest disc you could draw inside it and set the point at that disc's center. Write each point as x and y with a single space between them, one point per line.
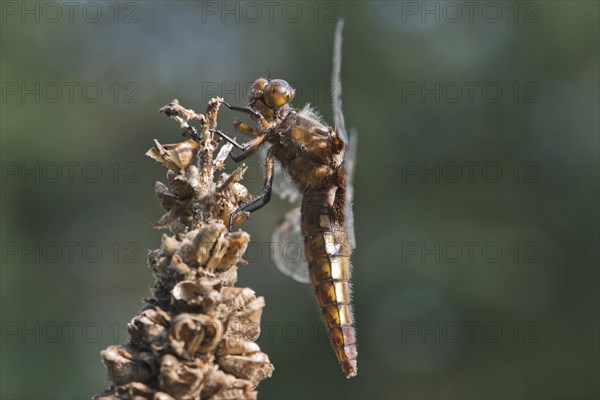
277 93
256 90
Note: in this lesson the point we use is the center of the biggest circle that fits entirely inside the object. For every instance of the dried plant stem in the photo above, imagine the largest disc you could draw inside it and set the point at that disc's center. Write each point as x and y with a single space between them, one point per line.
195 337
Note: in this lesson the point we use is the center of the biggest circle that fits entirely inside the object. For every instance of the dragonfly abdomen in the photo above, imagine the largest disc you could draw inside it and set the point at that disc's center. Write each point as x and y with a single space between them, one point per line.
333 297
328 256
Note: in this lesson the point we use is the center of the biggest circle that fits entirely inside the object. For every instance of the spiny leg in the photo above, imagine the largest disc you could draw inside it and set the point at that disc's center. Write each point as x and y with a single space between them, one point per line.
247 148
249 111
262 199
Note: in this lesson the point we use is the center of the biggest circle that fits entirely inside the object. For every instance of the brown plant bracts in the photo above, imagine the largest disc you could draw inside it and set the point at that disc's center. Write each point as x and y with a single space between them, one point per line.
195 337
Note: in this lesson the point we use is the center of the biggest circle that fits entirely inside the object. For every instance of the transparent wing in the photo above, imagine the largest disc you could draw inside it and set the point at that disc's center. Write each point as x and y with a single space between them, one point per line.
336 82
288 247
349 164
340 124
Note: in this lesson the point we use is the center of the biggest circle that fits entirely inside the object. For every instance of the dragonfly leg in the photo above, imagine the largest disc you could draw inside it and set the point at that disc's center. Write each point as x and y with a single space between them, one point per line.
245 128
262 199
247 110
247 148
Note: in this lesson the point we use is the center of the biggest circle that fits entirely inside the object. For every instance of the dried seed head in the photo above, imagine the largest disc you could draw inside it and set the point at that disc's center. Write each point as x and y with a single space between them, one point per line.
195 338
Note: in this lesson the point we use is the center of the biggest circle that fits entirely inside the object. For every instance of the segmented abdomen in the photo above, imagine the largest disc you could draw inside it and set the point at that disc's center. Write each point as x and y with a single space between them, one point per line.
328 256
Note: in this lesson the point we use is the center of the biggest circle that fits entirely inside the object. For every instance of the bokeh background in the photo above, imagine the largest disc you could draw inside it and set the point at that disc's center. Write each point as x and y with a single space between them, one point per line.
476 189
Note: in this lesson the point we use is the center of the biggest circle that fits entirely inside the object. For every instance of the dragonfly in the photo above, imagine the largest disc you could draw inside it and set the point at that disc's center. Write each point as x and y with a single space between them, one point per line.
320 161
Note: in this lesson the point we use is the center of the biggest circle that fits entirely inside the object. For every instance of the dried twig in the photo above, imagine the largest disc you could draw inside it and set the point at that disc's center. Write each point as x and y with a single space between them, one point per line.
195 338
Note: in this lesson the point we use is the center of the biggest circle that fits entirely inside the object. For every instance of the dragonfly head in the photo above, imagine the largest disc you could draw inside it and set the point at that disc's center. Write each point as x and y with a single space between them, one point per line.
273 93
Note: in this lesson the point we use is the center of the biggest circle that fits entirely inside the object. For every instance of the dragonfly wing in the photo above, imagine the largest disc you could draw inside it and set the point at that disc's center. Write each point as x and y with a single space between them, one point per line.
340 124
336 83
288 245
349 164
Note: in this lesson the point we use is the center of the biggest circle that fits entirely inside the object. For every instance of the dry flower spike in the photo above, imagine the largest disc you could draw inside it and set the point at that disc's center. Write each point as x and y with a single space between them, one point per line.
195 337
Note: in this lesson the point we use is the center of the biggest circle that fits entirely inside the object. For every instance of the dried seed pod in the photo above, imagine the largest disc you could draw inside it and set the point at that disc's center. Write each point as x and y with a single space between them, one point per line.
222 386
253 367
237 298
219 161
179 266
209 284
125 365
194 333
139 391
169 244
231 193
237 346
187 296
151 326
246 322
176 157
166 199
157 262
210 257
175 219
182 381
237 245
198 245
183 187
229 277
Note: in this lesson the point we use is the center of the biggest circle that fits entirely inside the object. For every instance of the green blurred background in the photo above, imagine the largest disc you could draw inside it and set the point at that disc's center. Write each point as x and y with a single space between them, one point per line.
478 285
